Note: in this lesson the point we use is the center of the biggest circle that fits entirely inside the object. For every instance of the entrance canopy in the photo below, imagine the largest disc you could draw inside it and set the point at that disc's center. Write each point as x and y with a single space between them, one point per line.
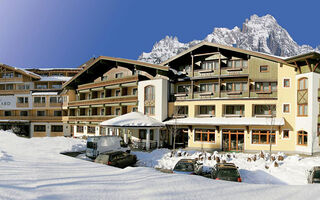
132 120
221 121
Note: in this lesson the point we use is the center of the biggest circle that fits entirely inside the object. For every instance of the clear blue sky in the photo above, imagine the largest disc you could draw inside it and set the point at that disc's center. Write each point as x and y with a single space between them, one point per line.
66 33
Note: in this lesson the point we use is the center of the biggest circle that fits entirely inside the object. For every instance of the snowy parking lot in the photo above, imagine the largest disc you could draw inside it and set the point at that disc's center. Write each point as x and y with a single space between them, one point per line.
35 169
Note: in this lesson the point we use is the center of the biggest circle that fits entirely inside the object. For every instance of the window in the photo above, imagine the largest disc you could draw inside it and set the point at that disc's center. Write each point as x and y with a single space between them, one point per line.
57 113
102 95
149 93
9 87
7 113
210 65
234 110
117 111
303 84
318 132
286 82
265 86
149 110
23 87
286 108
143 134
265 110
91 129
303 110
55 99
134 109
117 93
42 86
119 75
23 100
39 99
104 78
285 134
41 113
56 86
184 88
39 128
134 91
24 113
57 74
18 75
237 63
80 129
206 110
263 136
264 68
209 87
102 111
204 135
7 75
302 138
236 86
57 128
181 110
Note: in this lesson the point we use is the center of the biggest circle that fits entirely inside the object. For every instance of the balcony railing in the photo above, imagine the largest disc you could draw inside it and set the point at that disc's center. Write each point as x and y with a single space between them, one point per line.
114 99
91 118
234 71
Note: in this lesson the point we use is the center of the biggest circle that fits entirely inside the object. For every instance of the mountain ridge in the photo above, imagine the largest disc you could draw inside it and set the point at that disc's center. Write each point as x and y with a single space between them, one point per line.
260 34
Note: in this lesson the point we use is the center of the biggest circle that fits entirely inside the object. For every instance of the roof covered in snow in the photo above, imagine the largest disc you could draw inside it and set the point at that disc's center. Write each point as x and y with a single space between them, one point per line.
133 119
55 78
227 121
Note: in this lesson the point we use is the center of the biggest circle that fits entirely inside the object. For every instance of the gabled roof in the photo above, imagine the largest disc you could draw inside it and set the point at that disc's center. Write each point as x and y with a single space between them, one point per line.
119 60
204 43
133 119
22 71
309 55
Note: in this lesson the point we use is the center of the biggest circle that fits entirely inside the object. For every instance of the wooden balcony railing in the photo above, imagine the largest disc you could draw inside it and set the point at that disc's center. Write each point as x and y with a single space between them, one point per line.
114 99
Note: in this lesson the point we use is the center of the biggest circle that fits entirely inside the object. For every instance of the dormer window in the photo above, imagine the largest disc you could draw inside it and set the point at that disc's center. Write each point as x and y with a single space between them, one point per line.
119 75
210 65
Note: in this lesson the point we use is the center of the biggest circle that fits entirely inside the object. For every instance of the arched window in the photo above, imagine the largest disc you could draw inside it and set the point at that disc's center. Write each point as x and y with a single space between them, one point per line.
303 84
302 138
149 93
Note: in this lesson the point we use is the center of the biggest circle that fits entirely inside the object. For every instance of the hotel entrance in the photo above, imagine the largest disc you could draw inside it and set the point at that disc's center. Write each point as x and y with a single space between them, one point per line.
232 139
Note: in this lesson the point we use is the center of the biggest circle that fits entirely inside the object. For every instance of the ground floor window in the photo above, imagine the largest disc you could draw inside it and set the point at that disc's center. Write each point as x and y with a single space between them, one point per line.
80 129
56 128
143 134
204 135
302 138
149 110
285 133
263 136
91 129
39 128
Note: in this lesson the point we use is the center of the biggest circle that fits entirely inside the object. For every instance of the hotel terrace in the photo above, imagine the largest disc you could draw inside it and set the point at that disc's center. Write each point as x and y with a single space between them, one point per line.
210 96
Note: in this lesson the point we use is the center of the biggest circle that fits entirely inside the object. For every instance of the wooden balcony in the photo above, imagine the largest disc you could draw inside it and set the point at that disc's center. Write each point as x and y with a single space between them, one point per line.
33 118
205 73
39 104
13 79
55 104
14 92
205 95
114 99
108 82
263 94
234 94
94 118
22 105
234 71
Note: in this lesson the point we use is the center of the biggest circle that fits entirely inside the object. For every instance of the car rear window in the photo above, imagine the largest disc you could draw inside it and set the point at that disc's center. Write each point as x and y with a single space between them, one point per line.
91 145
182 166
316 174
228 173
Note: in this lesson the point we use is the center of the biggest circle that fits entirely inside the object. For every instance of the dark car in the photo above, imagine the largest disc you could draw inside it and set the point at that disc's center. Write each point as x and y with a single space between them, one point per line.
314 175
187 166
226 171
117 159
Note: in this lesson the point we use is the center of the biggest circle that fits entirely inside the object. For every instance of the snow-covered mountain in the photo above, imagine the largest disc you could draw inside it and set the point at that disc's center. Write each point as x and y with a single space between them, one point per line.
262 34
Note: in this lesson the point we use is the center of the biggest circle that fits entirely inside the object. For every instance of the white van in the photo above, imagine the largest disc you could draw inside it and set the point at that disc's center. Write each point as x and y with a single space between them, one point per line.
100 144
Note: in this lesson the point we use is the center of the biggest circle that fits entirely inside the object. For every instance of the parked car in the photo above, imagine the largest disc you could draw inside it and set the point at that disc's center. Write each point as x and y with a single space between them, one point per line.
187 166
226 171
117 159
314 175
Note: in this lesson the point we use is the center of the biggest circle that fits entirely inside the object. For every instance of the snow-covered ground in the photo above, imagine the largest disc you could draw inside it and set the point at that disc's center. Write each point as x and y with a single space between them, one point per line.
34 169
